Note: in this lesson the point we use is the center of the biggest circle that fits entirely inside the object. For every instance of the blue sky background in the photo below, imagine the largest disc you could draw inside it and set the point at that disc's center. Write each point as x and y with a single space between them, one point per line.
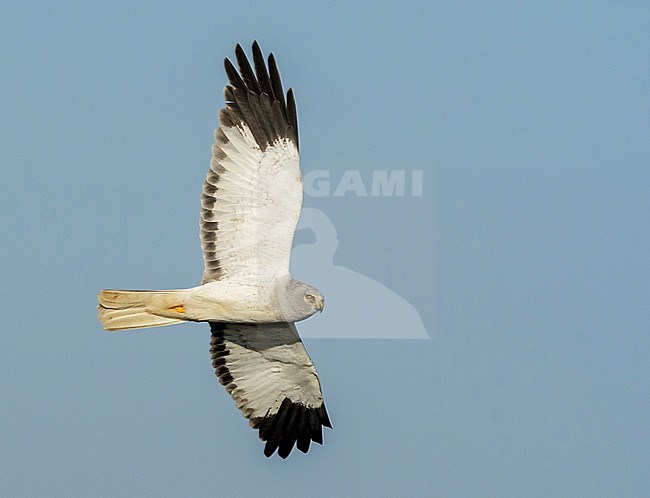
527 255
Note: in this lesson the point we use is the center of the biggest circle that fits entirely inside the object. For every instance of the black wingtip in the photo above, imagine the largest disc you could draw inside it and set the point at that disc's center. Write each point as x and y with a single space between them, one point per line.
233 75
239 53
325 419
276 81
292 116
269 448
246 71
294 425
255 96
261 71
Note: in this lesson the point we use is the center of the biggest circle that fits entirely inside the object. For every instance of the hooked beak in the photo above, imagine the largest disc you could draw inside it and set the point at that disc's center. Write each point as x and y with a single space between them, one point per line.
321 304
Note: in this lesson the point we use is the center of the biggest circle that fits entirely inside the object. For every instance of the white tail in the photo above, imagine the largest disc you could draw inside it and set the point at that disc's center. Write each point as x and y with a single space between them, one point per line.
121 310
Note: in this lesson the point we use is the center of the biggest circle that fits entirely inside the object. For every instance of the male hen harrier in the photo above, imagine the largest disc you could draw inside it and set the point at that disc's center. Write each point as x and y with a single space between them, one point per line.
251 203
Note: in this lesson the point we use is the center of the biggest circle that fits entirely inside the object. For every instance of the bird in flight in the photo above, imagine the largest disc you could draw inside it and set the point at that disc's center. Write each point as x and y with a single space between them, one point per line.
250 206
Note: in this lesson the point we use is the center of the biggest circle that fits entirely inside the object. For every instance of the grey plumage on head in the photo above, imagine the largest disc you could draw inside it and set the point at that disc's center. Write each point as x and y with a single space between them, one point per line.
298 300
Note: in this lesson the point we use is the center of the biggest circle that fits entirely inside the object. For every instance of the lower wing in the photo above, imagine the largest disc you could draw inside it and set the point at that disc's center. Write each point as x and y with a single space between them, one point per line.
266 370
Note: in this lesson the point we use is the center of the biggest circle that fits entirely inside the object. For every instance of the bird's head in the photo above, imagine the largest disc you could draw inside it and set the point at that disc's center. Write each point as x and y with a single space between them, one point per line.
299 300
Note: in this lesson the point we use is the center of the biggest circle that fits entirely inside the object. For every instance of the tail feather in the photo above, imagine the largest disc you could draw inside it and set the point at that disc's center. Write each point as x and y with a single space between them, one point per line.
122 310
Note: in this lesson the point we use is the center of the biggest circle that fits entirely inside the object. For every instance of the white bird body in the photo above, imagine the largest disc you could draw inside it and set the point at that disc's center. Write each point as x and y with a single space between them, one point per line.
226 300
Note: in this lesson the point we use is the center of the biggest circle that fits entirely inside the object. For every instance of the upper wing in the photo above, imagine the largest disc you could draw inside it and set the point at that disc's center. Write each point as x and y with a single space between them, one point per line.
268 373
253 192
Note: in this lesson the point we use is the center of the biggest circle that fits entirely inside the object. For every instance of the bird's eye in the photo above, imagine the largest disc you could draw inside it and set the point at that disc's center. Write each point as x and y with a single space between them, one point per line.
310 299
